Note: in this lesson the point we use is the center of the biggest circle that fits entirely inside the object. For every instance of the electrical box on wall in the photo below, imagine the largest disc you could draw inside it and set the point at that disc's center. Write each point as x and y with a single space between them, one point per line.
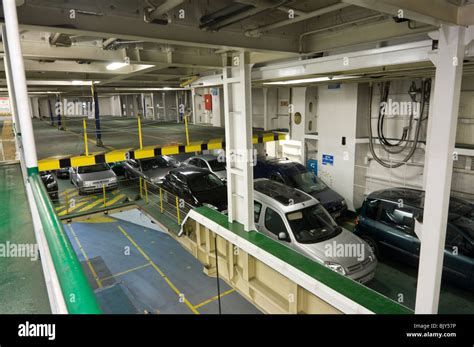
208 102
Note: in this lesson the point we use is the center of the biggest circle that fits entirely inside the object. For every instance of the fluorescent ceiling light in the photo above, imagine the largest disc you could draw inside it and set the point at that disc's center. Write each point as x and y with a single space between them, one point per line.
311 80
115 66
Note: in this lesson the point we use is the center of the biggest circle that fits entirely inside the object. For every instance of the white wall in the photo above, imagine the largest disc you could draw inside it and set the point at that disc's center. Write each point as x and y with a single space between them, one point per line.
337 117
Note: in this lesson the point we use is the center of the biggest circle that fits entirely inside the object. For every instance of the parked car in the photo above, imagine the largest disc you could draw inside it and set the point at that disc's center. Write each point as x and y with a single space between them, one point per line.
297 176
152 169
197 186
386 222
210 162
62 173
299 221
93 178
50 183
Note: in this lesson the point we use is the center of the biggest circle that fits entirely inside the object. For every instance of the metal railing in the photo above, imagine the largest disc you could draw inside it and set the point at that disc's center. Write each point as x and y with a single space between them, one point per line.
164 201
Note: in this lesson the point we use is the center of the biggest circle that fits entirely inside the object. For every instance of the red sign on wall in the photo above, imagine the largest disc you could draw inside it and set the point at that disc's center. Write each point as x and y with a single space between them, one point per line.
208 102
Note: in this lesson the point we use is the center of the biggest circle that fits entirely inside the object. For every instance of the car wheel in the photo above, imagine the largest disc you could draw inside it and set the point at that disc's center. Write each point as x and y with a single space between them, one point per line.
372 244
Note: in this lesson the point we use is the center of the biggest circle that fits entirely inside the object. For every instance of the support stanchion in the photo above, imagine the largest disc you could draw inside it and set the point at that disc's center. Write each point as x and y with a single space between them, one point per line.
177 211
86 145
146 191
187 130
161 200
105 197
140 133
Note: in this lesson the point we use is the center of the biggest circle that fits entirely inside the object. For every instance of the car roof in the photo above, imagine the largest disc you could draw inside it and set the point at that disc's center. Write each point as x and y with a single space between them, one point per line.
283 163
285 198
410 197
189 171
206 157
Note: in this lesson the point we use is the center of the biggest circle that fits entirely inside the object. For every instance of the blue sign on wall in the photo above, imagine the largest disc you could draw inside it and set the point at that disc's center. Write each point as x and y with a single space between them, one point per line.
313 166
328 159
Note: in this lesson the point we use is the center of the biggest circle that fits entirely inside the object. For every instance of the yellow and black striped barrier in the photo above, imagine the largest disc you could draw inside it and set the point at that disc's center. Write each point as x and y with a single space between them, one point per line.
146 152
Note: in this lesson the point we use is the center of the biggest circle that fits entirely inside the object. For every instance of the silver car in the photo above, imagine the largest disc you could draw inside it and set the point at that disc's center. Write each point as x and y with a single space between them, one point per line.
151 169
89 179
210 162
300 222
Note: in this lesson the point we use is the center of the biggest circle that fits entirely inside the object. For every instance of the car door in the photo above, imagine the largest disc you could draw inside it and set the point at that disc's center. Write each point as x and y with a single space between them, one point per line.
458 265
273 224
396 234
73 175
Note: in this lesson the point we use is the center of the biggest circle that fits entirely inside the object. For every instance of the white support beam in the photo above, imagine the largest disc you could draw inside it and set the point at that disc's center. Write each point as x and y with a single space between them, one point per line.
238 137
439 166
17 83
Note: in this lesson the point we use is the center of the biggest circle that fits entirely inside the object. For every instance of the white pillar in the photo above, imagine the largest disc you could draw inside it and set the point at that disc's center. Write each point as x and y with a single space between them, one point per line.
19 81
238 137
439 165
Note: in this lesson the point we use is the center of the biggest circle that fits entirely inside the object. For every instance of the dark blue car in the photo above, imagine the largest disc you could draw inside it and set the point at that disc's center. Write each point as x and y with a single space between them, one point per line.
297 176
386 223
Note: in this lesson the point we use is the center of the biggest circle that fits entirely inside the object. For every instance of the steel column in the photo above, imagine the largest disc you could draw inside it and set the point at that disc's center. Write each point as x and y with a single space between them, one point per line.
439 166
238 136
18 85
95 101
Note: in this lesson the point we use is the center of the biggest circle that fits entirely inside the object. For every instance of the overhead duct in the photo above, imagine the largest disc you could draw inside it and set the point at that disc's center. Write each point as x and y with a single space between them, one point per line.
260 30
253 9
208 22
60 40
158 15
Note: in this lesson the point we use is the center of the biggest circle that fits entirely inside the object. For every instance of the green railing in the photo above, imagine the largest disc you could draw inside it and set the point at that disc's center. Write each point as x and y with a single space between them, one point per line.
78 294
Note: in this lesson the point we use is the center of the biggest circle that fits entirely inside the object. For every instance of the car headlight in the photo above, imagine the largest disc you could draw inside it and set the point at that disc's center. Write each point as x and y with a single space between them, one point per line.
343 202
51 185
335 267
86 184
113 179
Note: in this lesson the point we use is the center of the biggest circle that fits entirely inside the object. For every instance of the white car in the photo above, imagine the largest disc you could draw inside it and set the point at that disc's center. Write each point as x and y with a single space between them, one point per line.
93 178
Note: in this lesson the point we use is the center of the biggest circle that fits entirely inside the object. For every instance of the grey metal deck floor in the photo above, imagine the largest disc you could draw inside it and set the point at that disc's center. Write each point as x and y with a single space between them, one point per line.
117 133
137 269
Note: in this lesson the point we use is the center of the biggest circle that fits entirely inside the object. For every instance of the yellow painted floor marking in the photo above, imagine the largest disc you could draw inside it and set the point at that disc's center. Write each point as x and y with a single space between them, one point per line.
99 219
94 273
126 271
70 190
92 205
67 211
205 302
114 200
170 284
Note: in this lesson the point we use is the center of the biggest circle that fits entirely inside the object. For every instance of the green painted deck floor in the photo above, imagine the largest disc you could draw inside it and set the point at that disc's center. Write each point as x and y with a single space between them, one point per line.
22 285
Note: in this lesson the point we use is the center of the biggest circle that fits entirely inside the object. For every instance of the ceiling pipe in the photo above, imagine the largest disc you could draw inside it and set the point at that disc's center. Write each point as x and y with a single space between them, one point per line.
260 30
266 4
337 26
157 15
248 13
211 20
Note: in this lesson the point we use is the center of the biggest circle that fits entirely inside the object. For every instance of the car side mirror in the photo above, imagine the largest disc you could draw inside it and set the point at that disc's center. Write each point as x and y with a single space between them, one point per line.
283 236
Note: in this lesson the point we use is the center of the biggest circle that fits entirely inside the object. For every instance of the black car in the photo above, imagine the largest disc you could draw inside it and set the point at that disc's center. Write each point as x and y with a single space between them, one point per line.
62 173
297 176
50 183
197 187
386 223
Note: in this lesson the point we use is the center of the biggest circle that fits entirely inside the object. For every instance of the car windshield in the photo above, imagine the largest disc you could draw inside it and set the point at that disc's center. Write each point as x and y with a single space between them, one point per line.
154 163
217 165
308 182
312 224
204 182
93 168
